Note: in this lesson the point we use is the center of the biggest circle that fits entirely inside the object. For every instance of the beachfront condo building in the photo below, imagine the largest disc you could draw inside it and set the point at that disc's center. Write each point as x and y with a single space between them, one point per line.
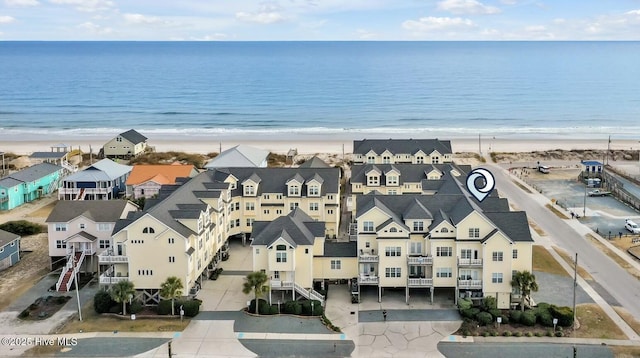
293 251
441 241
145 180
79 231
125 145
398 151
184 231
9 249
104 180
29 184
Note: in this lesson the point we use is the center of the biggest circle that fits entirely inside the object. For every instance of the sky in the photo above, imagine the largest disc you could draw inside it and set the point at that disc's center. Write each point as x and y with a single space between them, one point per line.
319 20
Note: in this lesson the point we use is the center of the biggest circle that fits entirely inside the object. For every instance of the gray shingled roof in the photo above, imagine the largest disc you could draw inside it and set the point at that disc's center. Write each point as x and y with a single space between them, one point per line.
6 237
401 146
274 180
297 228
84 234
239 156
409 173
513 223
101 211
314 162
133 136
29 174
48 155
340 249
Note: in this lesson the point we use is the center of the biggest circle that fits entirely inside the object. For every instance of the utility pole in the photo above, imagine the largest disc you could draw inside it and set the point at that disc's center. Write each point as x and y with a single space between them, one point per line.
608 148
479 144
575 284
76 277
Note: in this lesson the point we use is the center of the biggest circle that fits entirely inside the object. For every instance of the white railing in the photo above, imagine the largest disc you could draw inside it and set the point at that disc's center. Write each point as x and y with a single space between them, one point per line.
66 268
113 259
73 191
316 295
420 282
420 260
368 258
90 251
469 262
469 283
364 280
109 280
281 284
308 294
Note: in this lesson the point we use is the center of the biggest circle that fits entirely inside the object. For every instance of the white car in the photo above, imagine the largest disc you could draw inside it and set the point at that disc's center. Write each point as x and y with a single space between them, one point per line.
631 226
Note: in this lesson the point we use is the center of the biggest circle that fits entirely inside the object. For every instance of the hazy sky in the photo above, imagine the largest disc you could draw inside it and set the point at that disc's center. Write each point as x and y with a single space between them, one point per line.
243 20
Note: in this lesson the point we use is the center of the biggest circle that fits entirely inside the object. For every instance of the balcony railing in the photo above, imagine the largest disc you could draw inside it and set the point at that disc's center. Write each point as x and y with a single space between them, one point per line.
368 280
469 262
420 260
107 279
282 284
63 190
420 282
470 284
368 258
112 259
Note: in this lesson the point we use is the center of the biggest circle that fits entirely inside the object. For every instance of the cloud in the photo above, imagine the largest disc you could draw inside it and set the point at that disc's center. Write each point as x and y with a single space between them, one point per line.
366 34
86 5
430 24
4 19
21 2
509 2
269 13
461 7
139 19
95 28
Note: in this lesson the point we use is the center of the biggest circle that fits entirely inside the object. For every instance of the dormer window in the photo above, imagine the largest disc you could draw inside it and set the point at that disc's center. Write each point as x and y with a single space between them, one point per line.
118 139
148 230
392 180
233 186
313 190
435 160
294 190
249 190
420 160
386 159
373 180
371 159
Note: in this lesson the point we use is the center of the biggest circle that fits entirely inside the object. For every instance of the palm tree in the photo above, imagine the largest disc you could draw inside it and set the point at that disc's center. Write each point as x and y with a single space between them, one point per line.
256 282
524 281
121 292
171 288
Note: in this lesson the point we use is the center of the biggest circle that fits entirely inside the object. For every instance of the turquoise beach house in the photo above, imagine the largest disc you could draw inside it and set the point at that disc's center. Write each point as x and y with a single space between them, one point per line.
29 184
9 249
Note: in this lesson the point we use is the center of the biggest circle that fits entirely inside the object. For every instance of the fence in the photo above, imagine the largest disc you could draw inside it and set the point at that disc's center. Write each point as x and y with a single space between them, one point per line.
616 187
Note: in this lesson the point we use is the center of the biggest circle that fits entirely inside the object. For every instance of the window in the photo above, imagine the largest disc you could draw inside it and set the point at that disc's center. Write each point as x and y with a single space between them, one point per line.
104 244
250 222
329 197
330 211
496 277
336 264
435 160
443 251
278 211
367 226
306 251
420 160
371 159
392 180
392 192
392 272
373 180
145 272
474 232
313 190
281 256
137 241
416 248
443 272
386 159
515 253
172 259
418 226
497 256
294 190
444 230
266 196
81 226
237 205
313 206
257 251
61 244
367 244
392 251
171 240
249 190
276 275
237 222
118 139
61 227
279 196
293 206
266 211
250 206
148 230
393 229
465 254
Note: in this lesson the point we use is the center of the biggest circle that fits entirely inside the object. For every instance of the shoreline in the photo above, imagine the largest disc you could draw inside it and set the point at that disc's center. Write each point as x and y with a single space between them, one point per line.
204 144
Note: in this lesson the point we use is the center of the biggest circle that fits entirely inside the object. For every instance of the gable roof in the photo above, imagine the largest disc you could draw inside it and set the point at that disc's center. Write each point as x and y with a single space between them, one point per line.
297 228
409 173
104 170
7 237
274 180
48 155
401 146
314 162
513 223
161 174
29 174
100 211
239 156
133 136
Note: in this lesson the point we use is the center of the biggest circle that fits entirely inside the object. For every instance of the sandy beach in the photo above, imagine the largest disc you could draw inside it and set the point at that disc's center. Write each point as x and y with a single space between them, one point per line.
304 145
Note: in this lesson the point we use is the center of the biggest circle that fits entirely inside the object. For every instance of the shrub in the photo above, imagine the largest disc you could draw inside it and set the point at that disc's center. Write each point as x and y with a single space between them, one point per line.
494 333
518 334
102 302
164 307
507 333
485 334
559 334
489 303
117 308
465 332
32 307
549 333
495 313
464 304
61 299
263 307
292 307
545 318
24 314
505 319
136 307
515 316
191 307
563 314
538 334
22 227
252 305
528 334
274 310
528 319
484 318
318 310
470 313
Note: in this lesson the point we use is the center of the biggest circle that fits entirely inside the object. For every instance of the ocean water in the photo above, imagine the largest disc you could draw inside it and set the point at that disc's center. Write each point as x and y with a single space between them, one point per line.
340 89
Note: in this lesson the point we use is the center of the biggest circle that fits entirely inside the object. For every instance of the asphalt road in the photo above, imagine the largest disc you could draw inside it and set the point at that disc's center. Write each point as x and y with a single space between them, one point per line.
522 350
620 284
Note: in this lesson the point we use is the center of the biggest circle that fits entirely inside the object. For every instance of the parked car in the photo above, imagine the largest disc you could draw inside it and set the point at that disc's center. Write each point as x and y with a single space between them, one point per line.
631 226
599 192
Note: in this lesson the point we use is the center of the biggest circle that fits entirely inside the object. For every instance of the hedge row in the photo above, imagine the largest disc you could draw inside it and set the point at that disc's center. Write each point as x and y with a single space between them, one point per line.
543 314
22 227
191 307
299 308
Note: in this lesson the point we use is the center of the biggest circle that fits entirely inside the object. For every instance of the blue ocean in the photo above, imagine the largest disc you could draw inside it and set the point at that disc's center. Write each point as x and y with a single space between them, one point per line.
352 89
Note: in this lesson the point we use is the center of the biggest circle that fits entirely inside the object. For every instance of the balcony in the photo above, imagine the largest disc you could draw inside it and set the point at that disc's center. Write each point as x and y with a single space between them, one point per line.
368 280
284 285
113 259
420 282
368 258
469 262
107 277
470 284
420 260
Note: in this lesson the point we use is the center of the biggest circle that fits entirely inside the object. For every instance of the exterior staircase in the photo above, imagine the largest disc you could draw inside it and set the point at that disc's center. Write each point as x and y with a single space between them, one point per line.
309 294
74 261
81 194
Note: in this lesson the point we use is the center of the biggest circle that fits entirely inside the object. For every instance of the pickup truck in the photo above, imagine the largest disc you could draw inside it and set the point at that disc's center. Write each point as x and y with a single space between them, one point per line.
598 192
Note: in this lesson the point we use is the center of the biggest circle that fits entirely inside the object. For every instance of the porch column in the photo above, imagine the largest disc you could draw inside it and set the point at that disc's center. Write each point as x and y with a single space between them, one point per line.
431 291
406 294
455 299
379 294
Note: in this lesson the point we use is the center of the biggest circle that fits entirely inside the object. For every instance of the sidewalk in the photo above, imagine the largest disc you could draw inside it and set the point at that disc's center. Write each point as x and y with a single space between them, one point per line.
550 340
